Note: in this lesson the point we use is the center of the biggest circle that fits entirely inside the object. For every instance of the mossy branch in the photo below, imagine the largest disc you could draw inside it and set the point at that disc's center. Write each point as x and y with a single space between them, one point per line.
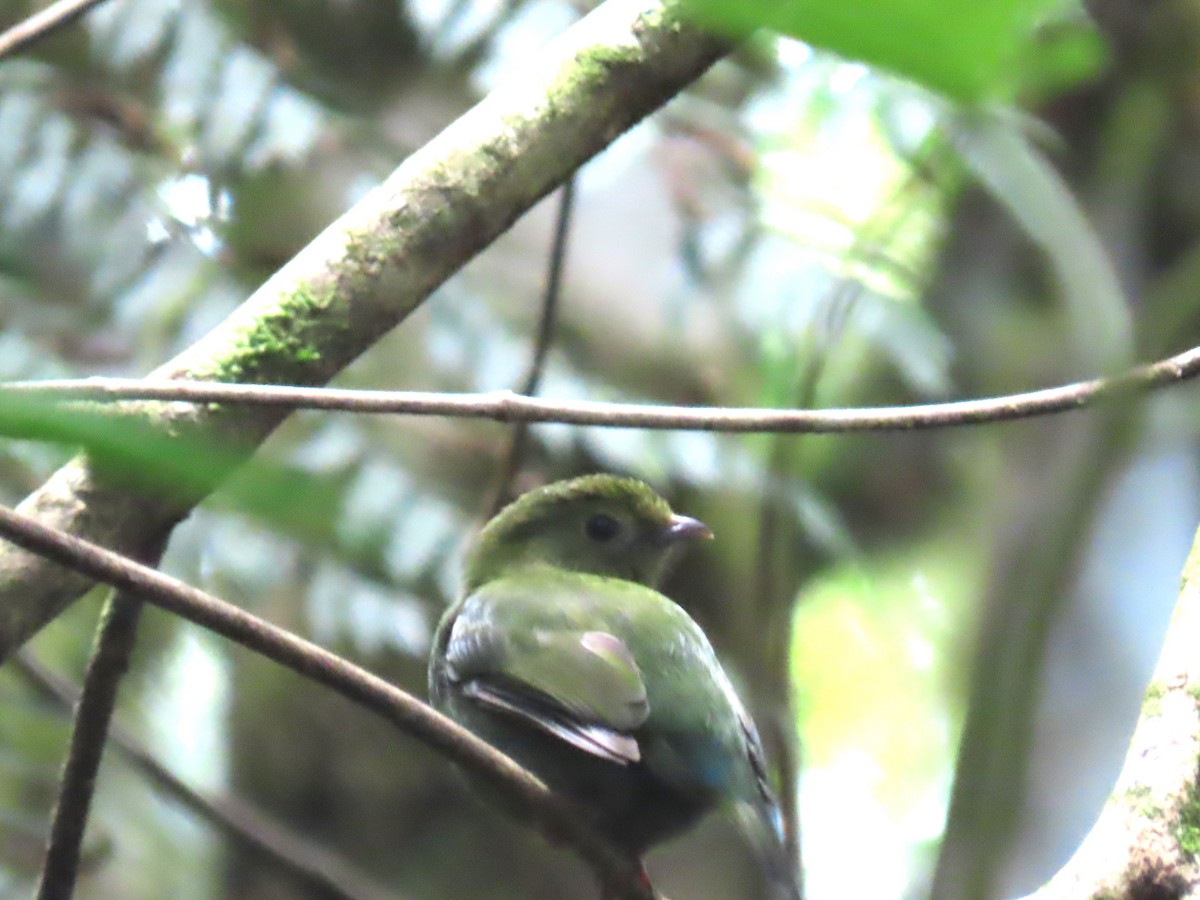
1146 842
372 267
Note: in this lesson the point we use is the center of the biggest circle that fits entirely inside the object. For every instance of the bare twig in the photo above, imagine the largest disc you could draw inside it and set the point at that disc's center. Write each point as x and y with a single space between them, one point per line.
523 790
505 406
115 639
777 550
32 29
547 324
307 861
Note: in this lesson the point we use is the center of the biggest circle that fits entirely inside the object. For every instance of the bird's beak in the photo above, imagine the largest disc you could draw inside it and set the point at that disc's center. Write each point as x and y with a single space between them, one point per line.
685 528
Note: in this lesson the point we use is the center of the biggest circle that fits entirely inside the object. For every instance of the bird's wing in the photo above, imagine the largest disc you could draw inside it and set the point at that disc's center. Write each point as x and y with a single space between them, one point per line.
580 685
755 755
759 814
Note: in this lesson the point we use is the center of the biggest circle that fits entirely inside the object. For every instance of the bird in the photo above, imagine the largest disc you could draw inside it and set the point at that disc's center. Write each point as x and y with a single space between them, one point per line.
562 653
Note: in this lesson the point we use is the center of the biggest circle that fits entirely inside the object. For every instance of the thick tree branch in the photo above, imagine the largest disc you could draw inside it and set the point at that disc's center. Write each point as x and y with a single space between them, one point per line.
1147 840
616 870
373 266
505 406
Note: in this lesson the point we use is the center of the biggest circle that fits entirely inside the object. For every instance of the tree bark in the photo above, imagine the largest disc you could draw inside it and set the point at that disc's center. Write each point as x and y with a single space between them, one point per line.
1145 843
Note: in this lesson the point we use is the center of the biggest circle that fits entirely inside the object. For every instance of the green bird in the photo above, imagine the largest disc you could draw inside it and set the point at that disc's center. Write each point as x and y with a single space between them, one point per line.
563 654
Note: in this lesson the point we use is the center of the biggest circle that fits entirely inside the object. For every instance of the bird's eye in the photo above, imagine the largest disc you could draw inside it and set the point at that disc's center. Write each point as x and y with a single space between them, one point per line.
601 527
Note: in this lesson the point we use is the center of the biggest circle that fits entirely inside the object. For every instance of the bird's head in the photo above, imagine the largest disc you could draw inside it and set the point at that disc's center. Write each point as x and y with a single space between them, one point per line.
597 524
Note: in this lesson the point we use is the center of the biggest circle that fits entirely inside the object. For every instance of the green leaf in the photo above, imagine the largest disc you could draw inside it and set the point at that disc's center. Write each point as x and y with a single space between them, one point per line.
985 50
127 447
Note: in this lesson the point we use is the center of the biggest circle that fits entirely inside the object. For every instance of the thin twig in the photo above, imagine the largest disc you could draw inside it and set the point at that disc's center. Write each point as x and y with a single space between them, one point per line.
519 787
308 862
505 406
32 29
547 325
115 639
776 611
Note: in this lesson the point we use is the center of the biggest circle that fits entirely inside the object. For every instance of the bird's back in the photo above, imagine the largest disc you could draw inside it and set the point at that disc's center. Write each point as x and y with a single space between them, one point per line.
693 744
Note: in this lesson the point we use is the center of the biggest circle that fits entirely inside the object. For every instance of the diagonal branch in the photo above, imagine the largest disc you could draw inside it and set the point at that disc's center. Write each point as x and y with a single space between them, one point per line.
49 20
620 874
368 270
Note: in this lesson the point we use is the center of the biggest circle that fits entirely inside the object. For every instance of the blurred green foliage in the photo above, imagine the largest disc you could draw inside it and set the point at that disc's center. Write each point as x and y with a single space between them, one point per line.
972 52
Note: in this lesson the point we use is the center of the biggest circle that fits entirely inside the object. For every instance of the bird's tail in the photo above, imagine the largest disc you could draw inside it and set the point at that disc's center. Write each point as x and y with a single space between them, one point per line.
763 825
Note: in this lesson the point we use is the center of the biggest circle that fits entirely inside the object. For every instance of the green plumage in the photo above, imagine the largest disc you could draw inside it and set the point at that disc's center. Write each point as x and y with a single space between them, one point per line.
563 654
